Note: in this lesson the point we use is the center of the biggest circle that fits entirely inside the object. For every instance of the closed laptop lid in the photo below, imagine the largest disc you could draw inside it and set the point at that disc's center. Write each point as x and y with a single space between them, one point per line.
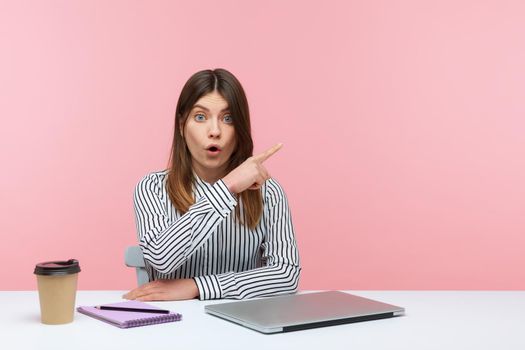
301 311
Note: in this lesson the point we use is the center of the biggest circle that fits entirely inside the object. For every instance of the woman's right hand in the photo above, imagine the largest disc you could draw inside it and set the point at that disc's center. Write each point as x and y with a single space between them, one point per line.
251 174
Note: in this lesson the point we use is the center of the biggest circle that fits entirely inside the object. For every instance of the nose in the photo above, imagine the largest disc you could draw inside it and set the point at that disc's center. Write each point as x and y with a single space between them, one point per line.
214 130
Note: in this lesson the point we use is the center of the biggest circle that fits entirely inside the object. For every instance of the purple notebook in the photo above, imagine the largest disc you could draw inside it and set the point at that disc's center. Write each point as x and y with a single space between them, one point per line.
127 319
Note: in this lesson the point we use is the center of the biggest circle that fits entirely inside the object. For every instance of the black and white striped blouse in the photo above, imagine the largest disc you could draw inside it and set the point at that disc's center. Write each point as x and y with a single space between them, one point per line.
226 259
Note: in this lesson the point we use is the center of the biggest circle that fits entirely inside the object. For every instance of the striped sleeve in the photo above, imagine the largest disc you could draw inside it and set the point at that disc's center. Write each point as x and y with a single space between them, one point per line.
281 268
167 244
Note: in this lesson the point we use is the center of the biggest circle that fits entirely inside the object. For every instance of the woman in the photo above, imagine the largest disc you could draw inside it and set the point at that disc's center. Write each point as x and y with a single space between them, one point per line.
214 225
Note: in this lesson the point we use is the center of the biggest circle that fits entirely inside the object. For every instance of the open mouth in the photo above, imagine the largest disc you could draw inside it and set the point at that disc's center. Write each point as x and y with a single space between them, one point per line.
213 150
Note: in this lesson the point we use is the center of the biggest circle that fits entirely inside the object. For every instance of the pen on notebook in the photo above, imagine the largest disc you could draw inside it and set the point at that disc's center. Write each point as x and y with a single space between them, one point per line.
132 309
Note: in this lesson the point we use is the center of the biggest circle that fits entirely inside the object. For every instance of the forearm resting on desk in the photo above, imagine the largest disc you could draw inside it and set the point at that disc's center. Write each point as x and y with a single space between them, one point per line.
165 290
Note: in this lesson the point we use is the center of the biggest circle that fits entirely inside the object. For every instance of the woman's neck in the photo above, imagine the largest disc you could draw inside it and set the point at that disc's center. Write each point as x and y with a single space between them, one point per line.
210 176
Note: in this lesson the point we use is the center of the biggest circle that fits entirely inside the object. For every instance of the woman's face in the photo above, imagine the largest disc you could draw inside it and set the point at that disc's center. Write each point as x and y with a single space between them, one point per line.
210 136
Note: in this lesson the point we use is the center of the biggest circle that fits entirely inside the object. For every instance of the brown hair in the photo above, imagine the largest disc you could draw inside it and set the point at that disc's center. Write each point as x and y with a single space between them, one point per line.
180 176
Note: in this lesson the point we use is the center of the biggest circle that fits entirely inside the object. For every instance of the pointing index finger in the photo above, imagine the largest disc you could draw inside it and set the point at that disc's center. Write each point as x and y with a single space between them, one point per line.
269 152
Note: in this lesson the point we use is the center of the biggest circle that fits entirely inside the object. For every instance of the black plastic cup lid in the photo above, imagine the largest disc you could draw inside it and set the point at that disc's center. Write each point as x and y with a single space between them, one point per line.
57 268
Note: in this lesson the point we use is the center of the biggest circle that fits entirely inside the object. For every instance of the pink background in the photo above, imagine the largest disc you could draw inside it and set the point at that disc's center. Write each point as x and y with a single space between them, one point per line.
403 125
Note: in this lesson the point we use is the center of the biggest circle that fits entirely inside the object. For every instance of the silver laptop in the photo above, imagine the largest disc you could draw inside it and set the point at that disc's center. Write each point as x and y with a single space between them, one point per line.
303 311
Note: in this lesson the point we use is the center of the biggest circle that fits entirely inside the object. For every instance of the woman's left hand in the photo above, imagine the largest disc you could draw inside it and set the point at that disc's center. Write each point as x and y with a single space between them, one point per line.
164 290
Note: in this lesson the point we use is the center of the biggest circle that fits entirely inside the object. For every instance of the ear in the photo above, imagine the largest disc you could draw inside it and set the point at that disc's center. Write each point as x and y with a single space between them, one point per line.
181 129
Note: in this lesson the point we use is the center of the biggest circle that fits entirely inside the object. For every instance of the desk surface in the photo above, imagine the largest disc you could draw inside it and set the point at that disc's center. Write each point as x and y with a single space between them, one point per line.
434 320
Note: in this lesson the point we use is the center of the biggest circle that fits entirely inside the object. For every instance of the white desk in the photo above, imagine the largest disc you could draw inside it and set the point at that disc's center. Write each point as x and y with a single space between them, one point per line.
434 320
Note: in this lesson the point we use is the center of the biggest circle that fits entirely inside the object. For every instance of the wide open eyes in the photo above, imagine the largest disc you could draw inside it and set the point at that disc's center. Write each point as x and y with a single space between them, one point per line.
227 119
199 117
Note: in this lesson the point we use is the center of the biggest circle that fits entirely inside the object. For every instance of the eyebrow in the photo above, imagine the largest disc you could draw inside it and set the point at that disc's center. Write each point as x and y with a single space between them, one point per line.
206 109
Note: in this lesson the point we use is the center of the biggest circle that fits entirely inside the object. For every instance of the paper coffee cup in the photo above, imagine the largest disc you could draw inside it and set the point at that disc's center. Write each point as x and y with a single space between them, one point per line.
57 289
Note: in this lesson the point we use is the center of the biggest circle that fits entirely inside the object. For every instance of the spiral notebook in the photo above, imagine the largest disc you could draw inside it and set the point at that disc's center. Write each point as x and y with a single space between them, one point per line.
126 319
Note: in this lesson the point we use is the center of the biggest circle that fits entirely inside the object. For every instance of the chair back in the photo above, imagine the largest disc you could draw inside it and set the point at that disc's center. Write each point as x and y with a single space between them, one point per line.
134 258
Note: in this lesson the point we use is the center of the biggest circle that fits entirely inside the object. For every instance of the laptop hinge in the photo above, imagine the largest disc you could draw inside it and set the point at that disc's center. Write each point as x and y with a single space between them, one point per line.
337 322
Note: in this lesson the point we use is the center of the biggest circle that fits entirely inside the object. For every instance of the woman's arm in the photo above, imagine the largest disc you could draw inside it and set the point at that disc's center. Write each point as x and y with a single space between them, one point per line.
167 244
280 275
